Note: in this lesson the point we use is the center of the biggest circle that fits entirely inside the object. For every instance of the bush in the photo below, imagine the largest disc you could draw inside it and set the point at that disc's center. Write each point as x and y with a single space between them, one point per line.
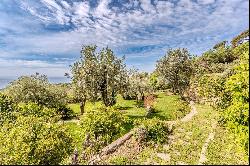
7 107
32 109
119 160
211 88
155 130
37 89
61 111
236 114
31 140
65 112
104 124
182 110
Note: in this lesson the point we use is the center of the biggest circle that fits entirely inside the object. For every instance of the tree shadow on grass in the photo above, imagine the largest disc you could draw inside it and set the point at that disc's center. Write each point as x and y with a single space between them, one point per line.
157 115
123 108
135 117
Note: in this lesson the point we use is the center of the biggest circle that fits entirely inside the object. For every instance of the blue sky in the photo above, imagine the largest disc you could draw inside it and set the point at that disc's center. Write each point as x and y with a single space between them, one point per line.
46 35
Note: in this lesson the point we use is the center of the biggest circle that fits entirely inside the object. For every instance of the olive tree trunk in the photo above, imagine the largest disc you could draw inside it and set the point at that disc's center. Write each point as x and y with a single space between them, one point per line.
82 105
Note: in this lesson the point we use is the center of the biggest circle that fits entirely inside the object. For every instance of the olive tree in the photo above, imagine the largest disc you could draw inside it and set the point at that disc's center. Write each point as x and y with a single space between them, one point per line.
137 86
85 76
111 71
36 88
175 67
97 74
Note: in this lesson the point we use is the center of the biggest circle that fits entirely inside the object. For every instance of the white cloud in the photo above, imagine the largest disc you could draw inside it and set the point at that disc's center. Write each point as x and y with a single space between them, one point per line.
147 6
133 24
28 67
102 8
206 2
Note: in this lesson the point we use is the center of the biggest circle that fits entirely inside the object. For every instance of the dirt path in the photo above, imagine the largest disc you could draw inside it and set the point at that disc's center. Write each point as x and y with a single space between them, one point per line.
204 147
186 118
127 143
191 136
189 116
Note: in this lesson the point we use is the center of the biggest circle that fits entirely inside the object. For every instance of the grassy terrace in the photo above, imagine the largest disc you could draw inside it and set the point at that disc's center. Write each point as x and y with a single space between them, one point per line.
187 138
165 106
186 141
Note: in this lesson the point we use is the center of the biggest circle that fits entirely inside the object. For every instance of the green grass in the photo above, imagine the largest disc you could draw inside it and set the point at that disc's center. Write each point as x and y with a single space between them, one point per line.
77 134
189 137
89 106
130 109
167 107
224 150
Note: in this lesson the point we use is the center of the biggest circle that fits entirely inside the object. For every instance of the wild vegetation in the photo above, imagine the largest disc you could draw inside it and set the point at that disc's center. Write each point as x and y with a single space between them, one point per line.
150 115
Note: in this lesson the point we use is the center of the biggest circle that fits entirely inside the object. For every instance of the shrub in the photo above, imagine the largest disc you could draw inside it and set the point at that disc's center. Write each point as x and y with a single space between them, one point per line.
155 130
31 140
211 88
32 109
37 89
65 112
104 124
61 111
236 115
119 160
182 110
7 107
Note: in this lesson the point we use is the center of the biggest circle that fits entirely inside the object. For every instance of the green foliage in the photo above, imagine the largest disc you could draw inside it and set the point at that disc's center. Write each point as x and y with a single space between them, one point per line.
236 114
211 88
7 107
31 140
224 151
32 109
182 109
36 88
214 61
104 124
119 160
241 51
156 130
219 55
85 73
236 40
153 81
138 86
222 79
220 45
176 68
98 75
65 112
111 77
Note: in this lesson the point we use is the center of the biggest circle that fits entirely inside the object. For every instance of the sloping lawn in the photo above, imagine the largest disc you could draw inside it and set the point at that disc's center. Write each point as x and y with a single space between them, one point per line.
166 107
169 107
89 105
